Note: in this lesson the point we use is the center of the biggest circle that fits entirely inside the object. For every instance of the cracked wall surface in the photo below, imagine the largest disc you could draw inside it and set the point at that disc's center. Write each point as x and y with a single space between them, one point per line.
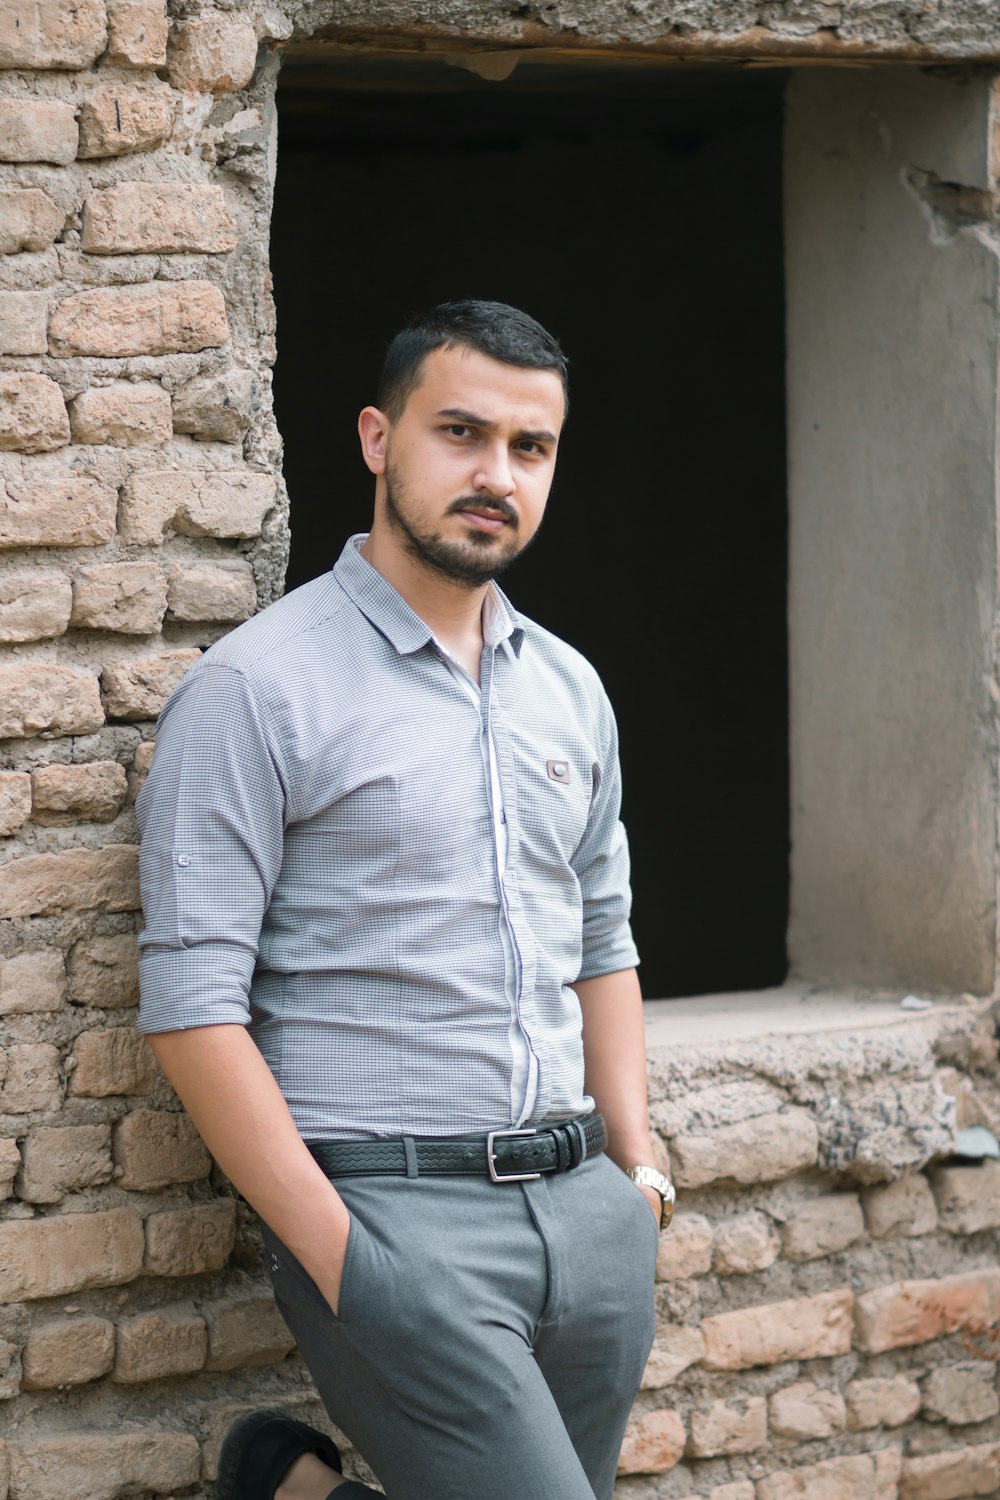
828 1299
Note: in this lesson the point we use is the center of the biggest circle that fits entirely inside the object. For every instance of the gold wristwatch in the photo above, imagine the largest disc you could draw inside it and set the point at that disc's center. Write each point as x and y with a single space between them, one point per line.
651 1178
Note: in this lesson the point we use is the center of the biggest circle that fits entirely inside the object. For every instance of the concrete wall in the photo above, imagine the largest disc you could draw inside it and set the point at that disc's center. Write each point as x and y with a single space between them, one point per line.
817 1246
892 378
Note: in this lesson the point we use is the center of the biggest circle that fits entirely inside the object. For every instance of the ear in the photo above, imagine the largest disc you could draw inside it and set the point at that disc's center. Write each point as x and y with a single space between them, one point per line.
373 430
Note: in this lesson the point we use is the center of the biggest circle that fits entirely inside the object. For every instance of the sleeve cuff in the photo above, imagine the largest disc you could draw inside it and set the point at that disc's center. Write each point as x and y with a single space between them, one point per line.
204 985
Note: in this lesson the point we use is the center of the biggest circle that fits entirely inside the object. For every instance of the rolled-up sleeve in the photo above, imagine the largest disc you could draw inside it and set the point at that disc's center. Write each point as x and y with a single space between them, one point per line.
601 865
212 815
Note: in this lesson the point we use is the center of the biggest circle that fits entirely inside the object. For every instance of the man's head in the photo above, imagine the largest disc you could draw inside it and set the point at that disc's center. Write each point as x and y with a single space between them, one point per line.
463 441
495 329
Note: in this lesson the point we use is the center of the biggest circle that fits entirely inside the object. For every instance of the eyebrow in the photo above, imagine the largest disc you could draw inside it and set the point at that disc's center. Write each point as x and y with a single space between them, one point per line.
469 418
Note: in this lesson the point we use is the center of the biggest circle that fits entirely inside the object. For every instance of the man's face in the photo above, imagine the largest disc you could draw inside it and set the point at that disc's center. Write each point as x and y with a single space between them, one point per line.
469 462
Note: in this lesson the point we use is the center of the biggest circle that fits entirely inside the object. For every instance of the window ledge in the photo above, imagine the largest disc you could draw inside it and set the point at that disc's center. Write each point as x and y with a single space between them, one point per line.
790 1010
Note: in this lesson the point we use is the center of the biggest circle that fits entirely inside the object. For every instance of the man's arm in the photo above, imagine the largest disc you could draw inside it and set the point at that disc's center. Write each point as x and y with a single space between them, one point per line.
614 1054
228 1090
212 813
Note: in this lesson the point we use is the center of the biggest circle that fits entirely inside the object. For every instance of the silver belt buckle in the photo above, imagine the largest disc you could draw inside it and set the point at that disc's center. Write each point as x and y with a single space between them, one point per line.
491 1158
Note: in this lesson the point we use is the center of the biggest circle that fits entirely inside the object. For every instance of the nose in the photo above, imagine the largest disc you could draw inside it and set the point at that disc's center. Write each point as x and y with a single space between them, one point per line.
494 473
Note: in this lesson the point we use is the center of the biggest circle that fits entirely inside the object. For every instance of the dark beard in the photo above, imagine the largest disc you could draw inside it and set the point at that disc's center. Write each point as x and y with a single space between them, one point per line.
479 559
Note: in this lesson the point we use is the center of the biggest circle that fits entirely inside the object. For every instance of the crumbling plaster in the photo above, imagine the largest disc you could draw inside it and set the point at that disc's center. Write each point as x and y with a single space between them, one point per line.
962 29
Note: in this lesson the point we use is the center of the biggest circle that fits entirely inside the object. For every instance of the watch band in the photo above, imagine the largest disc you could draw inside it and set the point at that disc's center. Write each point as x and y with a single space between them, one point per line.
644 1176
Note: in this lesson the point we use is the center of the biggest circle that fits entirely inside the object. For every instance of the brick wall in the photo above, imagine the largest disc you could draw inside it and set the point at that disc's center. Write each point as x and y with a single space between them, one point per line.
829 1296
140 516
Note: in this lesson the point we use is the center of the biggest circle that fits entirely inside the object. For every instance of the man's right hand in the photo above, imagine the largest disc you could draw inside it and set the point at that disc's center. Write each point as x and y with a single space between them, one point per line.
331 1275
230 1093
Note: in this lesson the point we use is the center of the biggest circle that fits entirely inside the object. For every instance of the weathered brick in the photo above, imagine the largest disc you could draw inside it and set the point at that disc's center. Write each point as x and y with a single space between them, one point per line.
903 1207
158 217
115 120
61 1159
654 1443
968 1198
216 408
687 1250
805 1410
137 33
728 1427
126 596
37 130
212 54
154 1148
140 766
228 504
124 413
116 1061
247 1331
822 1226
74 880
104 1466
104 971
743 1244
956 1475
32 1079
179 317
37 698
32 981
23 322
34 605
762 1149
961 1393
187 1241
213 591
33 416
67 1351
51 1257
913 1312
152 1345
138 689
882 1401
72 511
92 793
51 33
851 1478
29 219
740 1489
769 1334
10 1164
676 1348
15 807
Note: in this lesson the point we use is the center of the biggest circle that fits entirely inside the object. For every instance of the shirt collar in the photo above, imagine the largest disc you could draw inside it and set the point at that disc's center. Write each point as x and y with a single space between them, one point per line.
379 602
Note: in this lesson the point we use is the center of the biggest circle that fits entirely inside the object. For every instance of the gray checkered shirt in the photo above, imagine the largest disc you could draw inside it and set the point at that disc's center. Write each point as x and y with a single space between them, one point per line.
319 860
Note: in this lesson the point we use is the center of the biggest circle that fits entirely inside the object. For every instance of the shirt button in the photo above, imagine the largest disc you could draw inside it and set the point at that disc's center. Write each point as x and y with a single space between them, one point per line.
183 860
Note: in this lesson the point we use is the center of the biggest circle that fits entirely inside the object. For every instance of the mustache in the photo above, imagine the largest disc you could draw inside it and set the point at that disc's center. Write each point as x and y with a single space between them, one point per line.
477 502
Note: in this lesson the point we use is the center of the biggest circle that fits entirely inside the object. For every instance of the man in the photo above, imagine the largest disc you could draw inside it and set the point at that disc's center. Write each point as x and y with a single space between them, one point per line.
382 829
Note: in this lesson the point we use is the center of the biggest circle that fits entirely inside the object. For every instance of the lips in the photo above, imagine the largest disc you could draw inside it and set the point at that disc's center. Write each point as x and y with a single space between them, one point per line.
484 519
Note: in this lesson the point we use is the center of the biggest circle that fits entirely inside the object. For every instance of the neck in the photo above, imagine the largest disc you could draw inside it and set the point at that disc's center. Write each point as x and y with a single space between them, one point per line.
452 610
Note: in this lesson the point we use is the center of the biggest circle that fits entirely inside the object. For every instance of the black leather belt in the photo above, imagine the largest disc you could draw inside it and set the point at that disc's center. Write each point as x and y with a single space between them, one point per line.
502 1155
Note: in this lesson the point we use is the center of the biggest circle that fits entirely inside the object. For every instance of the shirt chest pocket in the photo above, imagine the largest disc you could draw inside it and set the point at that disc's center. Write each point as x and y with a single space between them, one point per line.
560 805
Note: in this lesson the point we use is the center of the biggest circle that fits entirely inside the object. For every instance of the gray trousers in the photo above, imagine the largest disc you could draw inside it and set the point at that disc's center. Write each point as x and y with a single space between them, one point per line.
490 1339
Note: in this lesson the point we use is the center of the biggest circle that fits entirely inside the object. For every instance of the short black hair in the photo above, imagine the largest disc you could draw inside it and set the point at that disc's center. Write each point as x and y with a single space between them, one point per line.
493 328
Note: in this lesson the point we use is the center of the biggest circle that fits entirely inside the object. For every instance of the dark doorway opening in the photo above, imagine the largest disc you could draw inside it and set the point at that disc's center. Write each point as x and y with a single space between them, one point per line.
637 213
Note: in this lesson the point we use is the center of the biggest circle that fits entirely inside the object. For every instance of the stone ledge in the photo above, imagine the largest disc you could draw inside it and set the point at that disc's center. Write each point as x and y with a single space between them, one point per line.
752 1088
793 1009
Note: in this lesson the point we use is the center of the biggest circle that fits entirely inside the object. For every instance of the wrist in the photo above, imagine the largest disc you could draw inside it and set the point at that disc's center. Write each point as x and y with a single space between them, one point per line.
650 1180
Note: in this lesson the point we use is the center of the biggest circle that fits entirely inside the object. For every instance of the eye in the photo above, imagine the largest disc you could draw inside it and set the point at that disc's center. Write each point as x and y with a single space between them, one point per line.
458 430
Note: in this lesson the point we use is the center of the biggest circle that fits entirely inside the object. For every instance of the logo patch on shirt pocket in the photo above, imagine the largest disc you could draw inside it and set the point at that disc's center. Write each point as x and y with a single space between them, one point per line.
559 770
